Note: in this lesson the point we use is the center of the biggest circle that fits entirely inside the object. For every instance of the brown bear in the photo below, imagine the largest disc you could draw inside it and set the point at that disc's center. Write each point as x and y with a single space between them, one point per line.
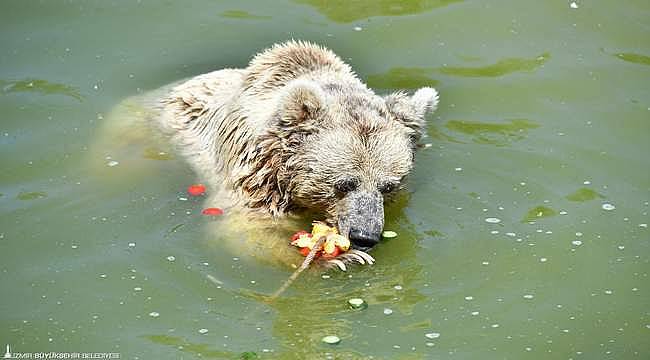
297 131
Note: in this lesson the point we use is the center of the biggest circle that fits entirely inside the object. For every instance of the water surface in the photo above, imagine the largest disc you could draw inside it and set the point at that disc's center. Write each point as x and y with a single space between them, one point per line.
523 234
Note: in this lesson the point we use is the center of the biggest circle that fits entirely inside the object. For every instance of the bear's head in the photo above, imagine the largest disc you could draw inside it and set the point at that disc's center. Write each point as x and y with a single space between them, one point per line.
340 150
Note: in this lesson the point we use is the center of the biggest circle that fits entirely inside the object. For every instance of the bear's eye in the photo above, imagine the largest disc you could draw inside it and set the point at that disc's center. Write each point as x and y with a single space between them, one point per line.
387 187
347 184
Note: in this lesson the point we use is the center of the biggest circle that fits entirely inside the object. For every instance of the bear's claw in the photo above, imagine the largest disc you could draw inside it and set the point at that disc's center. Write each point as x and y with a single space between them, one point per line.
349 257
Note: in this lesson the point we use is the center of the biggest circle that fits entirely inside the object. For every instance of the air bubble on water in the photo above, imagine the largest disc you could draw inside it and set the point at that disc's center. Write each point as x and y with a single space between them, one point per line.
511 234
608 207
432 335
469 298
529 349
494 232
154 314
74 246
586 182
429 344
458 169
397 287
131 244
485 263
112 163
358 28
578 234
428 145
529 296
543 259
492 220
621 247
576 242
171 258
103 276
608 292
495 325
549 232
644 225
563 212
182 198
137 288
325 276
203 331
388 311
573 5
474 313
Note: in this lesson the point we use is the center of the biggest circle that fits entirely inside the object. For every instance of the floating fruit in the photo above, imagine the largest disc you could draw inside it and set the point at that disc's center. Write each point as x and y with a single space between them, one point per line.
212 212
196 189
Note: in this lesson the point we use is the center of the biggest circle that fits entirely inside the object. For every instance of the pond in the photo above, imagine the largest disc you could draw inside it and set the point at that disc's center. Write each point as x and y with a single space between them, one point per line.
523 233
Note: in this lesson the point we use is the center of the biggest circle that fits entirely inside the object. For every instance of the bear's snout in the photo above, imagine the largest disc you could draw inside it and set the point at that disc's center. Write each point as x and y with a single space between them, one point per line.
361 218
363 239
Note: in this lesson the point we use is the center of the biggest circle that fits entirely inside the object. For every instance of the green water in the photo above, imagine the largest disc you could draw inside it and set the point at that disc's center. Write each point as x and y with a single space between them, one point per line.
544 118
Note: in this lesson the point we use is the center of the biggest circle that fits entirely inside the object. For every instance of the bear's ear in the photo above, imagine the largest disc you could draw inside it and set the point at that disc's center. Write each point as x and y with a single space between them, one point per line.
411 110
301 104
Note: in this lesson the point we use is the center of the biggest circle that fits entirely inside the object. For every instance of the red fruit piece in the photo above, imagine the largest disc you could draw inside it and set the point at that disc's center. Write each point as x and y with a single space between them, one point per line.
305 251
337 252
212 211
196 189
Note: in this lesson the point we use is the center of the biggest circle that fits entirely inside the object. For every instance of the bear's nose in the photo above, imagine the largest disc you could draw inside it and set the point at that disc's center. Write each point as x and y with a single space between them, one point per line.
363 239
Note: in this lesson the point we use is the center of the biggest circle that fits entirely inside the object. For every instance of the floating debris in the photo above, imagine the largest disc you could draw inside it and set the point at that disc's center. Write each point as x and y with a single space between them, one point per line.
331 339
389 234
608 207
357 303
